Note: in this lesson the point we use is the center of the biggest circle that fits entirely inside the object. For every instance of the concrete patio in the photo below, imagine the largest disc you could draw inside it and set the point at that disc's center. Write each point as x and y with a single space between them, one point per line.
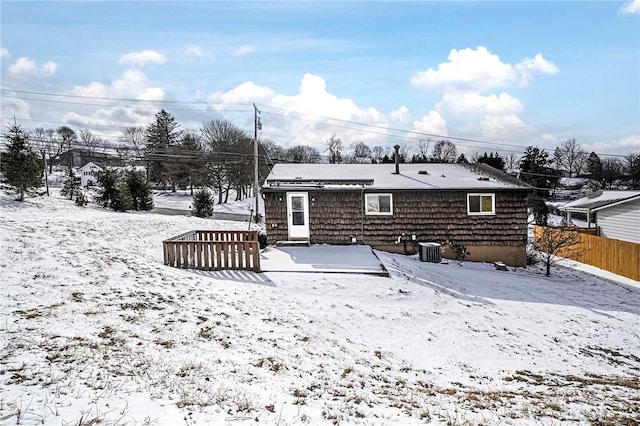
354 259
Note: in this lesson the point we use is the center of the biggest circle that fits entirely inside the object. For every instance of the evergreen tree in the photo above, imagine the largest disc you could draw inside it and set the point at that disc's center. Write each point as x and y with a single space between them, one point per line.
21 166
462 159
202 204
535 168
71 185
594 167
108 191
494 160
139 190
121 201
162 137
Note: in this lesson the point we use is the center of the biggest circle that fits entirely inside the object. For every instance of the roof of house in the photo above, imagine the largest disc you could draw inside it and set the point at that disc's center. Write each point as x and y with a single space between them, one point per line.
413 176
91 163
600 200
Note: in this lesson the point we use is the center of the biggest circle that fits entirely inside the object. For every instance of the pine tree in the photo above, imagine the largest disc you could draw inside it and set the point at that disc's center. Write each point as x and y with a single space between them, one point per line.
121 201
594 167
162 137
139 190
114 192
202 204
71 185
535 168
21 166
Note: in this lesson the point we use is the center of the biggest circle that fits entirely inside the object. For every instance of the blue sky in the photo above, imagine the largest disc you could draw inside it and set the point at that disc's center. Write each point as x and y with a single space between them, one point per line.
510 74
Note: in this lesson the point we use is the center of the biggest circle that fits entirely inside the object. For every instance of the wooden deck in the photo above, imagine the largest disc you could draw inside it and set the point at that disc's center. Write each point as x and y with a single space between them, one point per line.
213 250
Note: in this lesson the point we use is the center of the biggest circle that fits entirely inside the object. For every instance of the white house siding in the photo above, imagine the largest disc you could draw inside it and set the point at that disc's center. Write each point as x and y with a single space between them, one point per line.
88 174
621 222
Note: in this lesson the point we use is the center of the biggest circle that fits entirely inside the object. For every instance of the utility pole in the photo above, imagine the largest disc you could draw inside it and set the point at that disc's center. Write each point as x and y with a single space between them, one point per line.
256 125
46 174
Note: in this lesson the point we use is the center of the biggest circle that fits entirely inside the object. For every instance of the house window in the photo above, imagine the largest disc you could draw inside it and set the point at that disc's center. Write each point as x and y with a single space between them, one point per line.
481 204
379 204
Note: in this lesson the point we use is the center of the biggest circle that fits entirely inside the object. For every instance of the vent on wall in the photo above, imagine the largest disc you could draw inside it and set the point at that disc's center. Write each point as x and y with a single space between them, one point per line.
423 172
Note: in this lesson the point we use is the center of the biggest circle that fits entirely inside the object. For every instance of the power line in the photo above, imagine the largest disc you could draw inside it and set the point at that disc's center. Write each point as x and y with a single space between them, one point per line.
124 99
348 124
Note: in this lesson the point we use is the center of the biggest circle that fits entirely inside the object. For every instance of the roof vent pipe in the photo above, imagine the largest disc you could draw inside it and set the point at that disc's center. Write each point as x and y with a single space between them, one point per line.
397 156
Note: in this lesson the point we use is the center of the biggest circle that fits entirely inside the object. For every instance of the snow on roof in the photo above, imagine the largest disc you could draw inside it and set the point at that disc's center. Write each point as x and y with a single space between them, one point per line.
600 199
412 176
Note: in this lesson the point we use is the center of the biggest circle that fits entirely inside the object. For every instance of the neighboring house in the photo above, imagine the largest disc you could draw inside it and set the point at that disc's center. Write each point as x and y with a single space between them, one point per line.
615 213
89 174
473 205
81 156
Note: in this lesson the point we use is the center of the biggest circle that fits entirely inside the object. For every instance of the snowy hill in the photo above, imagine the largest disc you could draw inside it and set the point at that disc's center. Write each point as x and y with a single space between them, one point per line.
96 329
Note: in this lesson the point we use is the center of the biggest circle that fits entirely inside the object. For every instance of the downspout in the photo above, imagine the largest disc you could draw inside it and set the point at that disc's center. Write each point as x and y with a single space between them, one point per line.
362 214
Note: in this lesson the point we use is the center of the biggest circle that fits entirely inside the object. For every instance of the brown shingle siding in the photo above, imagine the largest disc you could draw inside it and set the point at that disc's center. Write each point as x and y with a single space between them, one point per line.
335 216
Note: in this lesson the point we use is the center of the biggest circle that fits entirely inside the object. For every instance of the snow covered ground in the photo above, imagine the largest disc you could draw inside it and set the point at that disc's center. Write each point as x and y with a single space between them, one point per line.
182 200
95 329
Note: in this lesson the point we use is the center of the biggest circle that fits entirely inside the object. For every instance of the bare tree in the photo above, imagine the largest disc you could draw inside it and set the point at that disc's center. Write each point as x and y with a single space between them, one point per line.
444 151
553 244
224 145
68 138
423 149
334 146
571 157
611 172
511 162
377 153
132 146
90 143
361 152
303 154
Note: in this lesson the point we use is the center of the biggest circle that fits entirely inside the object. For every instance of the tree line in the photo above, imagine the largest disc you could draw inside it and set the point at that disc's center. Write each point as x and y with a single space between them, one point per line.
220 155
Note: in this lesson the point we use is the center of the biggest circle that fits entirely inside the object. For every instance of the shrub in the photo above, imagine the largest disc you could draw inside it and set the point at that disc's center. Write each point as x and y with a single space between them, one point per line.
81 199
202 204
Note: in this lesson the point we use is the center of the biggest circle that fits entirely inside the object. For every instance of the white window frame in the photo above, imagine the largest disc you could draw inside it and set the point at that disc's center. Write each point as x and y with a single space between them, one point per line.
377 195
481 213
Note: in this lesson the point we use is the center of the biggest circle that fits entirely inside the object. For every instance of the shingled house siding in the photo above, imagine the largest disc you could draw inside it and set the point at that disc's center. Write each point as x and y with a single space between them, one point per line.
337 216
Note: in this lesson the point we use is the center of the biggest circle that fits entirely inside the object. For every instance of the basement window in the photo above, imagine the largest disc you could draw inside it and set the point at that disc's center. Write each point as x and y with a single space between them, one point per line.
481 204
379 204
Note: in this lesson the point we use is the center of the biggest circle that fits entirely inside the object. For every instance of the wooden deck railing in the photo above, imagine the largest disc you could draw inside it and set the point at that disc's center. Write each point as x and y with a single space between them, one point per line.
213 250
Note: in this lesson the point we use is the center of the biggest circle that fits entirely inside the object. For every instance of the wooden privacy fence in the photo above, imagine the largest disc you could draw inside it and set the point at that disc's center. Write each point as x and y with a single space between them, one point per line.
213 250
619 257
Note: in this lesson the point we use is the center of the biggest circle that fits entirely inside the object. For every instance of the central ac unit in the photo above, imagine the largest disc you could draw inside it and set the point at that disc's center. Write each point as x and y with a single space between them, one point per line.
430 252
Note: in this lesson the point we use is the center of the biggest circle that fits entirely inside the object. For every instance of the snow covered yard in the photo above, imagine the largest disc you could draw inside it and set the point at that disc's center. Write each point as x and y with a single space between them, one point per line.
95 328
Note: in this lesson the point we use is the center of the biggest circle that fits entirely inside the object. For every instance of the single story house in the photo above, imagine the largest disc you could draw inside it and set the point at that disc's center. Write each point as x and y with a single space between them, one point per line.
615 213
394 207
89 174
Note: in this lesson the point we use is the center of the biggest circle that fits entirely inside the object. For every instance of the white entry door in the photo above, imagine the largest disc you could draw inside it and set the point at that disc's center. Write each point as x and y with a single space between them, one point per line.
298 215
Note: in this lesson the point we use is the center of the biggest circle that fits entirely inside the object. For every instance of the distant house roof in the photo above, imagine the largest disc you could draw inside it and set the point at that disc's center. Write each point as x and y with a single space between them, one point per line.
600 200
91 163
413 176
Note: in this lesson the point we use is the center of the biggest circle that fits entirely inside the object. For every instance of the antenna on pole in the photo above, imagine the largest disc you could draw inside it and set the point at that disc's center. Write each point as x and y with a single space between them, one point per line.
257 125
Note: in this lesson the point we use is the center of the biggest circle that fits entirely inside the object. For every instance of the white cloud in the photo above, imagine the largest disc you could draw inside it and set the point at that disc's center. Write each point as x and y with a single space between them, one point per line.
432 123
244 50
305 117
400 115
502 127
630 8
623 146
473 103
11 107
142 58
4 52
28 67
480 70
132 84
194 50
